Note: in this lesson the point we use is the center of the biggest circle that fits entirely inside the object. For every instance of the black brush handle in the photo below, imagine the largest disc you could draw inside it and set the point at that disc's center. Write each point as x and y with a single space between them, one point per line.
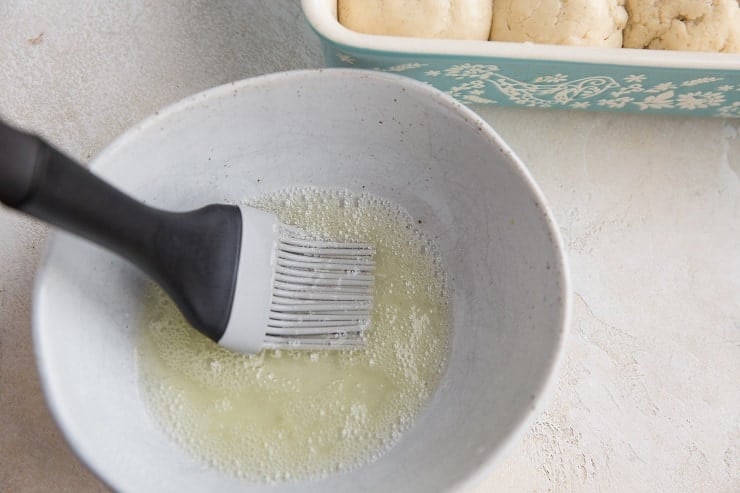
193 255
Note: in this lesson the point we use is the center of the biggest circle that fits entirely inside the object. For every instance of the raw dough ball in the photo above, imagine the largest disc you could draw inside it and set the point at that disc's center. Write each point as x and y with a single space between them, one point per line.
452 19
695 25
564 22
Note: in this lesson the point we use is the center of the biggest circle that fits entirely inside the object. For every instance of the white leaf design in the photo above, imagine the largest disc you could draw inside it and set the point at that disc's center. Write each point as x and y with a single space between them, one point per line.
702 80
661 101
483 83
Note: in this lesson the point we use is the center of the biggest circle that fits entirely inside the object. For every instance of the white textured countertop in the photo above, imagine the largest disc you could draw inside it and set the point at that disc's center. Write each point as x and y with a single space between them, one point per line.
648 397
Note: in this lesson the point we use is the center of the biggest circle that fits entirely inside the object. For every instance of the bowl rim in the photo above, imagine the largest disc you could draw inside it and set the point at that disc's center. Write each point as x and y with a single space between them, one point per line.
545 387
322 18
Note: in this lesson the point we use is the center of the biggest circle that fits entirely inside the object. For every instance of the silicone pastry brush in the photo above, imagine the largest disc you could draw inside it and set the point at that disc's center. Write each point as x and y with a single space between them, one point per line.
238 275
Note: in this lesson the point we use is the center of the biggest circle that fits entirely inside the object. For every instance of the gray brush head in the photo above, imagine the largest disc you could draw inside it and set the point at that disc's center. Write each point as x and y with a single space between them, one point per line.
322 293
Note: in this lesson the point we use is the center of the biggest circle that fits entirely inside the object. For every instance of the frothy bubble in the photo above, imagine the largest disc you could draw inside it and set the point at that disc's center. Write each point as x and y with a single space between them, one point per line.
291 415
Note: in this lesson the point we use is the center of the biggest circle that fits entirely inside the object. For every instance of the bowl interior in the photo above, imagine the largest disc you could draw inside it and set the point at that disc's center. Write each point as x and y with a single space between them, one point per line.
335 128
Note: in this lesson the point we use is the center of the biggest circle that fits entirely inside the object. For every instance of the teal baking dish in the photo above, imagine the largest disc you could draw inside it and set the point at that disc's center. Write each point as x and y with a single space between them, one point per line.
542 76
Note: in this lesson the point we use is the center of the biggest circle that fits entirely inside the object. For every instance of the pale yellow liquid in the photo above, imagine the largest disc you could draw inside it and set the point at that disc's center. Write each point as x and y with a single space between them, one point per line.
283 415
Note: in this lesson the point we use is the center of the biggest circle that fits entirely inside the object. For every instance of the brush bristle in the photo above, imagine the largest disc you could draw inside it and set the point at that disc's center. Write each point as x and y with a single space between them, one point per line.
322 293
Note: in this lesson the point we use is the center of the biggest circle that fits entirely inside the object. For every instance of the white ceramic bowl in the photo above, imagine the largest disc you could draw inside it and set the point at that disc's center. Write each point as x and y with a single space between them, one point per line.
334 128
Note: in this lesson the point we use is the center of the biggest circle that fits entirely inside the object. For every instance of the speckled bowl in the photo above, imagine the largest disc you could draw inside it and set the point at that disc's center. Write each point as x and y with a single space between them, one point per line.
382 133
